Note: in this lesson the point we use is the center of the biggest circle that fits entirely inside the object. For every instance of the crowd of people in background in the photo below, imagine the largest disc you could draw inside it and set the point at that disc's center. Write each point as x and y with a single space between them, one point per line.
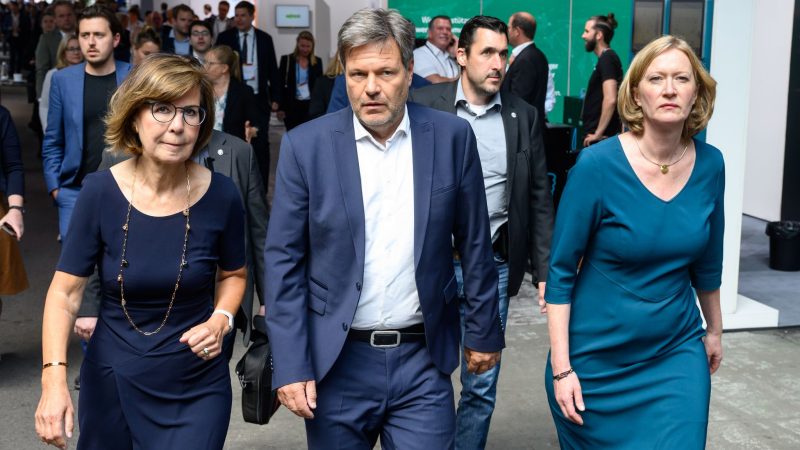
368 249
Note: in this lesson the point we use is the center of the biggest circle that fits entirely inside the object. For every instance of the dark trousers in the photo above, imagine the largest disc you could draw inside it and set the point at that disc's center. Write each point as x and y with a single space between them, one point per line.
396 394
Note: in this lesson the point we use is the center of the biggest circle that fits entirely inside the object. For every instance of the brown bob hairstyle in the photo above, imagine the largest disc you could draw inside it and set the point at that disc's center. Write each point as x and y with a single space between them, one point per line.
159 78
703 107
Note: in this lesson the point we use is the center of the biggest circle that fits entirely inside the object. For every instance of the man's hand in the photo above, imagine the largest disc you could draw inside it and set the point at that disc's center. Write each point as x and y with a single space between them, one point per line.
591 138
478 362
84 327
300 398
54 194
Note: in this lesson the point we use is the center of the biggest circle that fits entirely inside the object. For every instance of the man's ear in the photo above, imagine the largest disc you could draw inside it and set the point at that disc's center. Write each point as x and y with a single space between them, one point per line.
117 39
461 57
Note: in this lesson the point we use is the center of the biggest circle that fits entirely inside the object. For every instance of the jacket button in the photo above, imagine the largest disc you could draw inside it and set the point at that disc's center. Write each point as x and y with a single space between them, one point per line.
344 326
358 285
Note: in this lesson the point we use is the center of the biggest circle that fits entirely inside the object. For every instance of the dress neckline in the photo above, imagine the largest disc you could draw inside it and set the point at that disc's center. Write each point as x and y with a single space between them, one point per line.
644 186
167 216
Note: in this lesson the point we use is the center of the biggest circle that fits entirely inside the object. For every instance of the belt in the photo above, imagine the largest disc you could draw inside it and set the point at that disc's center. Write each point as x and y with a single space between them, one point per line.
389 338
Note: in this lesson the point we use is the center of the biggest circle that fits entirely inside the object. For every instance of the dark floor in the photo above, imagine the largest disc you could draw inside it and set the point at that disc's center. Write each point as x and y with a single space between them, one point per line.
775 288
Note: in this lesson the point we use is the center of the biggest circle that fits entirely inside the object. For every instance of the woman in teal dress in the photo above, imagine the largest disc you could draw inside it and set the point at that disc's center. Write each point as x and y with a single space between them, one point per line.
638 234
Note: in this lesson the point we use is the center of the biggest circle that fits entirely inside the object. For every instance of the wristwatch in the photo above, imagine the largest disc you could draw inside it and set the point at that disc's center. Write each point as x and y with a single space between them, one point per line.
20 208
226 314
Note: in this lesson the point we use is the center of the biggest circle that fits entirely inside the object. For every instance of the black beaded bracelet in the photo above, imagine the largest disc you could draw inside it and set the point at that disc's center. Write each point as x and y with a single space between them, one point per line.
563 375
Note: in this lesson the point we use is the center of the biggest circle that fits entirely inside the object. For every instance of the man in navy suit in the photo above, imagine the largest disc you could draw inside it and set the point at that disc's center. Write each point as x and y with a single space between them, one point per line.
361 293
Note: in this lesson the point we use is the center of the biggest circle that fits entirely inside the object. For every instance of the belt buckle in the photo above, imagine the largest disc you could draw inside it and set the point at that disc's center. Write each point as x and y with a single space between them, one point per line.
394 333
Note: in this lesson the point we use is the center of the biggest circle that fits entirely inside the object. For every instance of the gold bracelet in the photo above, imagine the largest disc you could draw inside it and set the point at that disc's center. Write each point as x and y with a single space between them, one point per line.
54 363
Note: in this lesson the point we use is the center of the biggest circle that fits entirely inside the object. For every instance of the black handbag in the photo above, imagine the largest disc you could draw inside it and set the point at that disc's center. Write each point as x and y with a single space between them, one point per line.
259 400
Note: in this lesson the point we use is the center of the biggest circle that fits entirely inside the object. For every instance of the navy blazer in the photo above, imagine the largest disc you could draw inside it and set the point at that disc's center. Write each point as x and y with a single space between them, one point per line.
62 148
269 82
315 250
12 175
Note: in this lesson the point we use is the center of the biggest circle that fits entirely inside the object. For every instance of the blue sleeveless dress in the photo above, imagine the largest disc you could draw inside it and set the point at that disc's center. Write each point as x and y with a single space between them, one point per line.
635 331
152 392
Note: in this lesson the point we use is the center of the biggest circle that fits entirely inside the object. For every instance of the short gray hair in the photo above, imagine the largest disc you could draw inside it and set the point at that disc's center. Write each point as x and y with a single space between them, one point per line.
369 26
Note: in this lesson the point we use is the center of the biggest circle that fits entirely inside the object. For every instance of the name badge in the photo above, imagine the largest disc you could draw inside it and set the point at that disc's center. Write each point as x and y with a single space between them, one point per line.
249 72
303 92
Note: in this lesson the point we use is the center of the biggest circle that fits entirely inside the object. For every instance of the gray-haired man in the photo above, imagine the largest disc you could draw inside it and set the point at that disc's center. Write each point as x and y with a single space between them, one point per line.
360 307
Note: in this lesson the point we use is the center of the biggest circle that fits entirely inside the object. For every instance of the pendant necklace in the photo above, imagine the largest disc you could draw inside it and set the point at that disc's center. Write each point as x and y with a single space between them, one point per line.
124 262
664 167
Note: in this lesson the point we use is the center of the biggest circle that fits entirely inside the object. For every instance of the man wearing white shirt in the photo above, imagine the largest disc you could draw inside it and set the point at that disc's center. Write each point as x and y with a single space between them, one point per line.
434 61
361 309
200 38
528 70
221 22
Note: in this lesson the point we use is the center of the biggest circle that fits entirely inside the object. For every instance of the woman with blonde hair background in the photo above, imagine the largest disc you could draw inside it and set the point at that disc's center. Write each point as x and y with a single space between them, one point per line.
235 102
68 54
630 362
299 72
168 238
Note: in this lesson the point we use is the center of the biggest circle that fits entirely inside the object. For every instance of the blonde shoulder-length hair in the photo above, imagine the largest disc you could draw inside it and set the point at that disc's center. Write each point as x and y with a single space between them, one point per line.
703 108
159 78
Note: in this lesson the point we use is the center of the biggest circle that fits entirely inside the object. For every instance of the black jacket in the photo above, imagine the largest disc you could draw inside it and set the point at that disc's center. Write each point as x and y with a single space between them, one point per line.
530 206
240 106
289 78
527 78
268 79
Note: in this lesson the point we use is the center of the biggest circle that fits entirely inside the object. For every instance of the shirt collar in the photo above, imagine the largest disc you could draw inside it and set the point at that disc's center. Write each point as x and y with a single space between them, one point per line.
436 51
249 32
461 100
518 49
172 35
362 133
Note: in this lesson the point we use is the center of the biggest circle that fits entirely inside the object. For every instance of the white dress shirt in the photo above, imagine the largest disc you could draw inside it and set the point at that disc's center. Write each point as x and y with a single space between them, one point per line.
252 58
430 60
389 297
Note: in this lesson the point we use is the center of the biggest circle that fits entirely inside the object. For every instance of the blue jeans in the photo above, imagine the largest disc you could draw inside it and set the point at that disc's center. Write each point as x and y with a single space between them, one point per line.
66 203
478 392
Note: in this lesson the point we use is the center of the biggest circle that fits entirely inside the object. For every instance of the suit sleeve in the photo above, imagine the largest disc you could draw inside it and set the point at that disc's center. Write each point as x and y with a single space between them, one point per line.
257 220
522 80
282 88
338 95
272 69
579 215
43 63
483 331
285 257
541 202
53 143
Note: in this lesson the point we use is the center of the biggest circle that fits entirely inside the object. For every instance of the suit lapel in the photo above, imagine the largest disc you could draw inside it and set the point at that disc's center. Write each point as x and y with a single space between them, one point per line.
422 147
221 152
511 127
346 160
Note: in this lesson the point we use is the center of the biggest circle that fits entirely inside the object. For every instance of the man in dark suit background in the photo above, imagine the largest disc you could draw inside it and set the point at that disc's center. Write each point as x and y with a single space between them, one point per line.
517 192
259 71
176 39
528 67
368 203
47 47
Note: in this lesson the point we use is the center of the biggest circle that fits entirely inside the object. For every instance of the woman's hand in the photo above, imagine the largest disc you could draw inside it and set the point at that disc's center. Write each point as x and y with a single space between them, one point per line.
14 219
713 343
569 397
54 415
205 339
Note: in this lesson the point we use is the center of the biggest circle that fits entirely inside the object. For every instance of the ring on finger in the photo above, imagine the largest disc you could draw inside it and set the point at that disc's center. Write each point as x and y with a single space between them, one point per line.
206 352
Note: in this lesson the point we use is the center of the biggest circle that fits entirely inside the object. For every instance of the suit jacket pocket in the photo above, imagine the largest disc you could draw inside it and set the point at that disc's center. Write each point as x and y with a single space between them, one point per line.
443 190
318 299
450 289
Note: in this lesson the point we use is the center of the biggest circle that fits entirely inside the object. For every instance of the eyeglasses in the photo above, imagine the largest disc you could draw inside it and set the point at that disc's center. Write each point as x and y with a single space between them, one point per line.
73 49
201 33
165 112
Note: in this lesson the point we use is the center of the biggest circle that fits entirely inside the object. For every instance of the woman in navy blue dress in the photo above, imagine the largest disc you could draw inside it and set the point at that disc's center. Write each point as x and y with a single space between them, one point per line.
630 362
166 234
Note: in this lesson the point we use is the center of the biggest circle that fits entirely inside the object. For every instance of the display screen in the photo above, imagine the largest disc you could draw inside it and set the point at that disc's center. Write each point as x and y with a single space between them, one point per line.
292 16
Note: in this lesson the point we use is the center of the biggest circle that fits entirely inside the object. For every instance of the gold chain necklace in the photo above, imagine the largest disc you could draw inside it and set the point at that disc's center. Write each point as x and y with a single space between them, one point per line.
664 167
124 262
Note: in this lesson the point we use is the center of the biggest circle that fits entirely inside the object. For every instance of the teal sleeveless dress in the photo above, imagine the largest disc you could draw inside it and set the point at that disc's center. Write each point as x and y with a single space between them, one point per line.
635 331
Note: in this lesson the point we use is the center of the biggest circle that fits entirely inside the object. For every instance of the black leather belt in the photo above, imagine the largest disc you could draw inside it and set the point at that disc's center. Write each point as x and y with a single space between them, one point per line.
389 338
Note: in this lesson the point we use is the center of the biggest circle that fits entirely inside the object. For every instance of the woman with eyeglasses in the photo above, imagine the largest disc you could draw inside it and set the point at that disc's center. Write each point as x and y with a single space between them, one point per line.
235 102
168 237
299 71
68 54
